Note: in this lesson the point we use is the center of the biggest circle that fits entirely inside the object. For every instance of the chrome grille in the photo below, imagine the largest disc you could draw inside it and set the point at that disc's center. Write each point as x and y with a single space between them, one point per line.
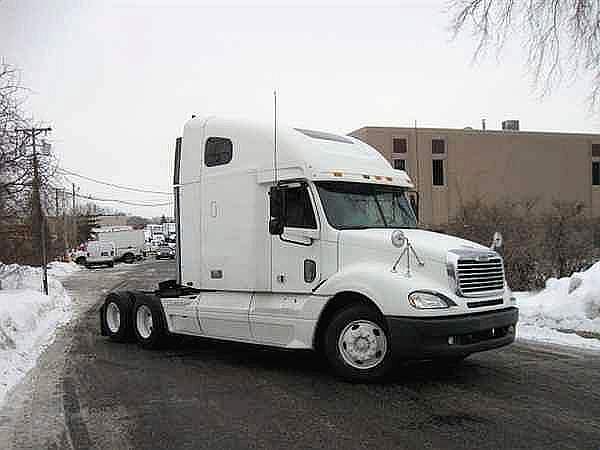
479 276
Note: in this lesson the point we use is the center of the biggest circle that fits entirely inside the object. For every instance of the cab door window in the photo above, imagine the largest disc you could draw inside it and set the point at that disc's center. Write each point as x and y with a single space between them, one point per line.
298 210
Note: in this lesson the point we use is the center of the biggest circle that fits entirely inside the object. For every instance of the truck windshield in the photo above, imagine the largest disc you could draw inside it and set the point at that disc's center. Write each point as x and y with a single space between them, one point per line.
361 205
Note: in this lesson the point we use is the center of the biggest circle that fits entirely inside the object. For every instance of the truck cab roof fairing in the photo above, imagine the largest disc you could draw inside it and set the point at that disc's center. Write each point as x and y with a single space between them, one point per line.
301 153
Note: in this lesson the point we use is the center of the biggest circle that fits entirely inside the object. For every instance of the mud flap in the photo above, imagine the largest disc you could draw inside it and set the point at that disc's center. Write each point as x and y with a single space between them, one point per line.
103 330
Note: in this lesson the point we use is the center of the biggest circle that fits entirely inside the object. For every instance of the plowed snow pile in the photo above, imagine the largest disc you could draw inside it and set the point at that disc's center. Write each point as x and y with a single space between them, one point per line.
566 305
28 319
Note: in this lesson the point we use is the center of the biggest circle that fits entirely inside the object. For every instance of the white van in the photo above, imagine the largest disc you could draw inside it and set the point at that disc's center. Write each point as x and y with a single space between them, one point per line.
316 247
100 253
129 244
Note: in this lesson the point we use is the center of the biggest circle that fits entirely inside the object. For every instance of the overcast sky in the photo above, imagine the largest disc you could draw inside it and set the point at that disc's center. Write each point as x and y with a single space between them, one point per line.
117 79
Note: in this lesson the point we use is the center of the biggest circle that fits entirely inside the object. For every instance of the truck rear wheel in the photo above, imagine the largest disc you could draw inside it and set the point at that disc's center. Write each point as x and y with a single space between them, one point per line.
357 345
115 316
128 258
149 325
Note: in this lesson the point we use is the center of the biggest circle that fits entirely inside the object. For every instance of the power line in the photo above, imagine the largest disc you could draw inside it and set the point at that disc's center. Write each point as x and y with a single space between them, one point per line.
118 186
125 202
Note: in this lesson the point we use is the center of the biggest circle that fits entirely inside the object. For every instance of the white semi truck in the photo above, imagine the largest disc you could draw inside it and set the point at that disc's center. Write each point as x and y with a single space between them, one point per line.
313 246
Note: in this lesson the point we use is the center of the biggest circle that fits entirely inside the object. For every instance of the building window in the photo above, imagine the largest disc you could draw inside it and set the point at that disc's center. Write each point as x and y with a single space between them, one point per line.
438 146
399 145
596 150
596 173
438 172
218 151
399 164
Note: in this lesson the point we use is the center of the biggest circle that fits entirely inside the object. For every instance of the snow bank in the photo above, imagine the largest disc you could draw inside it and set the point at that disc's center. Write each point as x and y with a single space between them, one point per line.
28 319
550 336
567 304
62 269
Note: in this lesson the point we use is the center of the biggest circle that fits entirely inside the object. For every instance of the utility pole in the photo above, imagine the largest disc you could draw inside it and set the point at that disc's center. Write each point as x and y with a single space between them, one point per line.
75 222
64 222
38 222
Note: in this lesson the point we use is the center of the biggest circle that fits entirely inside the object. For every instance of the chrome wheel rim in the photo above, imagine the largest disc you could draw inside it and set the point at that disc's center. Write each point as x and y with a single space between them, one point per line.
144 321
362 344
113 317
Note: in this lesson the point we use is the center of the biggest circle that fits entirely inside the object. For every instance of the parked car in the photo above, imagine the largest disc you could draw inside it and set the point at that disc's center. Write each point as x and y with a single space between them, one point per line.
100 253
78 256
165 252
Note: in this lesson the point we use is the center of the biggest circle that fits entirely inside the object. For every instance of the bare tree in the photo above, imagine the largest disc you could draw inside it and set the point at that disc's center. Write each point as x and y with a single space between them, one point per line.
538 245
562 37
17 173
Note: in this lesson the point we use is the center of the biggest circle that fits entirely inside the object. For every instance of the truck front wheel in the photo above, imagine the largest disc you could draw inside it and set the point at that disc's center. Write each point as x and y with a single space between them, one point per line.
357 346
128 258
149 325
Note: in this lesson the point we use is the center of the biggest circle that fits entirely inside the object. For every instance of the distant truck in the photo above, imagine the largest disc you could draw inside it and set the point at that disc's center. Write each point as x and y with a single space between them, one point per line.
129 244
100 253
314 246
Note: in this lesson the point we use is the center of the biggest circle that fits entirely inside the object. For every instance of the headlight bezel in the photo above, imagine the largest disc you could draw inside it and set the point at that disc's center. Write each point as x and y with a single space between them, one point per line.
444 302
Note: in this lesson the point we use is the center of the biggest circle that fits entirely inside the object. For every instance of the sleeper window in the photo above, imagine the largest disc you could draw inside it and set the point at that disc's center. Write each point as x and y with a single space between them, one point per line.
218 151
298 208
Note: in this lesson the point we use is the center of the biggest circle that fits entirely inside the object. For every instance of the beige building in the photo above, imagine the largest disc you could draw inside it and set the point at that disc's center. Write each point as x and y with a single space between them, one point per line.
452 167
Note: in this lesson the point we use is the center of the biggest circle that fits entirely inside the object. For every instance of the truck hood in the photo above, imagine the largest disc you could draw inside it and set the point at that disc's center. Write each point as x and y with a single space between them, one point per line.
428 245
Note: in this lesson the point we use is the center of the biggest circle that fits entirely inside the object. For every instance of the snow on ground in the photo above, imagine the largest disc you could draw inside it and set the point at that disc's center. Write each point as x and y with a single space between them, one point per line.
28 319
550 336
567 305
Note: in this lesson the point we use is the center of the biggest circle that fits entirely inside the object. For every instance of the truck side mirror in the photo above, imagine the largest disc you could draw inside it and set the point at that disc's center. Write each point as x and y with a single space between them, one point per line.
413 198
275 226
497 241
276 199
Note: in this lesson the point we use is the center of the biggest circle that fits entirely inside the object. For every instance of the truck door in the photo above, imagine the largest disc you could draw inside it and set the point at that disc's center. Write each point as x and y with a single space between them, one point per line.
295 261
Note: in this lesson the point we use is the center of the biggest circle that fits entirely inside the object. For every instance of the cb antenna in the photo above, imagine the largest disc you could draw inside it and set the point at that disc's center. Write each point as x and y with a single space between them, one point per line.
275 134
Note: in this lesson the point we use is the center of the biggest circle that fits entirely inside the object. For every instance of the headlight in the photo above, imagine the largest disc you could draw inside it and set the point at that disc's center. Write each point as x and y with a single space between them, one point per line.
429 300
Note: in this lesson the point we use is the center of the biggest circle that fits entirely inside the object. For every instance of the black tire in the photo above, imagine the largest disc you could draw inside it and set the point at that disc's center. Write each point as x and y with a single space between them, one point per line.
81 261
124 305
340 321
111 264
128 258
155 336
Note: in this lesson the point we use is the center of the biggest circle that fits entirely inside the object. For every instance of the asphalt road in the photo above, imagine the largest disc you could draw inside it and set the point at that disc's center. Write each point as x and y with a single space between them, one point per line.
88 392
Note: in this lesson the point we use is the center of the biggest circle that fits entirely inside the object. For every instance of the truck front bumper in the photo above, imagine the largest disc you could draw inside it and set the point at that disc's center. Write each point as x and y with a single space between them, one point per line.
454 336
